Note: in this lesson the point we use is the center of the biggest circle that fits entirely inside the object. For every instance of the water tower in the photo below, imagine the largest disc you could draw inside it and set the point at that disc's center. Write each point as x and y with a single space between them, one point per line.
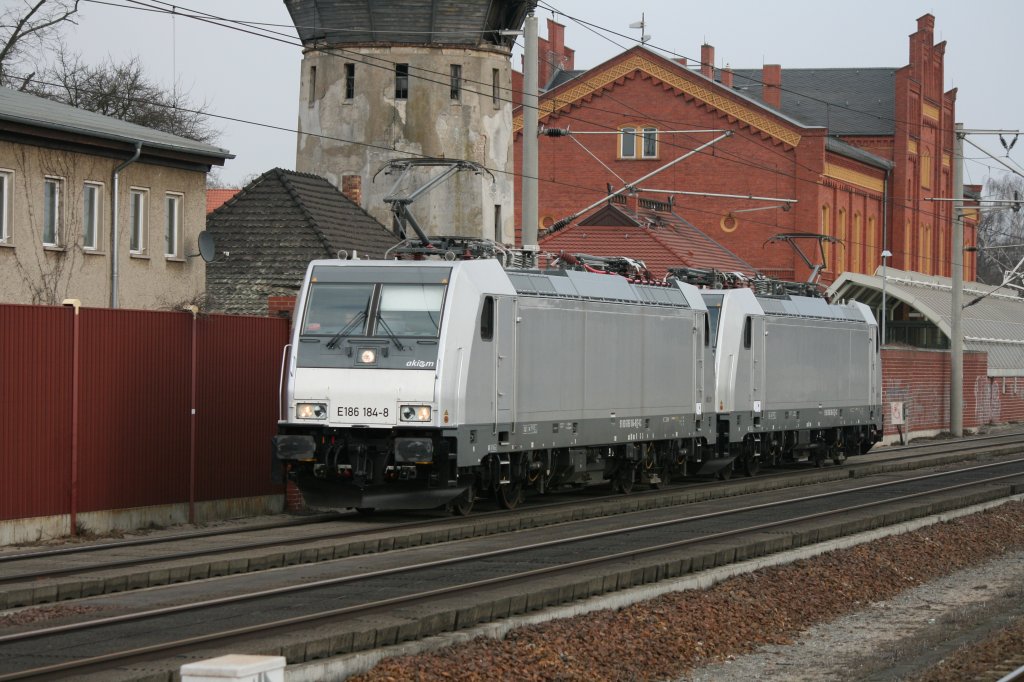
399 79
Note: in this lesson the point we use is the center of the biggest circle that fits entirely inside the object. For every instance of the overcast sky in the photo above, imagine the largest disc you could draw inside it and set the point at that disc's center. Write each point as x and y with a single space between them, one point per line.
255 79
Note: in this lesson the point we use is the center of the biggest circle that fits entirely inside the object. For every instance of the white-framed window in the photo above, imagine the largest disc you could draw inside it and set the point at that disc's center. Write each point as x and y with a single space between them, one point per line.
92 210
627 143
172 224
52 210
137 223
649 149
6 192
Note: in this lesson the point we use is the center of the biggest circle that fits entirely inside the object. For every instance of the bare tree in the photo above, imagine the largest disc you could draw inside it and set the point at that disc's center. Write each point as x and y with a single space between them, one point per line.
123 90
28 29
1003 227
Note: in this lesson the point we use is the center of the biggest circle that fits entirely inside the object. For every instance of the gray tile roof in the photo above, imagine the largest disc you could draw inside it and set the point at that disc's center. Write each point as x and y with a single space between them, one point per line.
848 150
273 228
846 101
23 108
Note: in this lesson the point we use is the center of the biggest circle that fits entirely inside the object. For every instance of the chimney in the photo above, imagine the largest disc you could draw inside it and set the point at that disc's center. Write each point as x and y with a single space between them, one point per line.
352 187
707 60
726 78
771 80
556 38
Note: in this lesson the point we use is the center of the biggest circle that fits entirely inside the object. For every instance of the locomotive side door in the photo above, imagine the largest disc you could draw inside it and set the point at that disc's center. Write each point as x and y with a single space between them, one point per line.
505 363
757 368
700 342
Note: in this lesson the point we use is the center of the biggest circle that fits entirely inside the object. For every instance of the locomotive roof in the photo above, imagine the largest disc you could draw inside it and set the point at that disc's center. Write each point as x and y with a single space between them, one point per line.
803 306
601 287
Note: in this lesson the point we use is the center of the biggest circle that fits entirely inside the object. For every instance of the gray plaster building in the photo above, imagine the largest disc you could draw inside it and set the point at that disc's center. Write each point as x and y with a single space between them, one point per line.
60 236
395 80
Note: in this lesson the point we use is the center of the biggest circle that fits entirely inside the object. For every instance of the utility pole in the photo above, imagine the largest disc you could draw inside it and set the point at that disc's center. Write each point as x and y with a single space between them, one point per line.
956 340
530 109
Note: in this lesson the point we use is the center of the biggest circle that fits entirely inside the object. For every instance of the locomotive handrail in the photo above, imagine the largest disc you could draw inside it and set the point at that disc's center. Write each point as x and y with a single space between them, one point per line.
282 409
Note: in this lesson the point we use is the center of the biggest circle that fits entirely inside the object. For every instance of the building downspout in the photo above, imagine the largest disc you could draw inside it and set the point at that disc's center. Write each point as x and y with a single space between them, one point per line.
113 223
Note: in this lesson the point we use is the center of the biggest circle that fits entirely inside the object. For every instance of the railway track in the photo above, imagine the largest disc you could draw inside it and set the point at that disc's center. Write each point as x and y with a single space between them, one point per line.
51 575
433 588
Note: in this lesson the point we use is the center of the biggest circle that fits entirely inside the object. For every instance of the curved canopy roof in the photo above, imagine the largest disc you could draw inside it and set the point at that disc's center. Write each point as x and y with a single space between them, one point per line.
993 324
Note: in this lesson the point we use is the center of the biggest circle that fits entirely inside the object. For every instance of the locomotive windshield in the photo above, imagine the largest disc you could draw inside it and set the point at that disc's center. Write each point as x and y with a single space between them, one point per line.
410 309
337 308
402 310
359 307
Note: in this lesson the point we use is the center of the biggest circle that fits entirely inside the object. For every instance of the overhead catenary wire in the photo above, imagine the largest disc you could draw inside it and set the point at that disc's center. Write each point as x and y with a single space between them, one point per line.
178 10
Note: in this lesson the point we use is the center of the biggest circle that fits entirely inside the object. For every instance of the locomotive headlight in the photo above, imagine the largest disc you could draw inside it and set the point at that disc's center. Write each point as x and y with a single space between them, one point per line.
367 356
310 411
415 413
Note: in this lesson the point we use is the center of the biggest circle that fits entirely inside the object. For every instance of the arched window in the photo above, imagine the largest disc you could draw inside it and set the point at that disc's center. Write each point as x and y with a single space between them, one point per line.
627 143
925 264
874 256
856 244
841 249
826 231
650 144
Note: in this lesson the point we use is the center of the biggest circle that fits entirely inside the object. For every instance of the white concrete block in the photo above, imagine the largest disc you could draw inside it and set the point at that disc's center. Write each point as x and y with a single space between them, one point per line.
235 667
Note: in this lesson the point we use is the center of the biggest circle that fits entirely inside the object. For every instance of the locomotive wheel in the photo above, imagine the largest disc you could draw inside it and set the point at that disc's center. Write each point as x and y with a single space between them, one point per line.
751 465
623 482
725 473
463 504
365 511
509 495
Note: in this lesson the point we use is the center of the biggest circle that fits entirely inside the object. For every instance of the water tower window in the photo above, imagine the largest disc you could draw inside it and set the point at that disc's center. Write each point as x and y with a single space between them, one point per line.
350 81
456 91
401 81
312 85
495 92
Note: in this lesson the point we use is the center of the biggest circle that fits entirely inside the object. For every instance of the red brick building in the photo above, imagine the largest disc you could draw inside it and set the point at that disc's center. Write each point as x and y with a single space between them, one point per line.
858 149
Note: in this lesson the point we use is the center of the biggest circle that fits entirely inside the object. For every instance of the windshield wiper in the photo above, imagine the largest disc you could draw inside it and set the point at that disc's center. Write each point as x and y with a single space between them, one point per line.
333 343
391 334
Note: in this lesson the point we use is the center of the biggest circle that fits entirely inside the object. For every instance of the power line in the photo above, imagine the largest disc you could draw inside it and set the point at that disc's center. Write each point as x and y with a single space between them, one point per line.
213 19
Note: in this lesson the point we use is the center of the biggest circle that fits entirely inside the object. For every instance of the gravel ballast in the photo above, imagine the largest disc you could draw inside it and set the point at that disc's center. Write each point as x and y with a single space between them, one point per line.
879 610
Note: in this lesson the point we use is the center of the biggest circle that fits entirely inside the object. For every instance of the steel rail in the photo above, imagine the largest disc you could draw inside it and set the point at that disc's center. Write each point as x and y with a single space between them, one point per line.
339 535
429 594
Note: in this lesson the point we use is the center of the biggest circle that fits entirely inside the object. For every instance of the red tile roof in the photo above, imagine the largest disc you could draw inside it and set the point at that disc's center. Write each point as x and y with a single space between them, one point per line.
660 239
216 197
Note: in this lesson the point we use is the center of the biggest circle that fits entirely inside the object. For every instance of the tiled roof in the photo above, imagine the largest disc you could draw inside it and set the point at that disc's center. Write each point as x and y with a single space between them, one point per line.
271 230
846 101
660 239
216 197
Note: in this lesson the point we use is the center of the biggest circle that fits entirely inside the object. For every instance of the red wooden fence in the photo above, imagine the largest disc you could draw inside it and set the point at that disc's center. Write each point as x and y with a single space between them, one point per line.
113 409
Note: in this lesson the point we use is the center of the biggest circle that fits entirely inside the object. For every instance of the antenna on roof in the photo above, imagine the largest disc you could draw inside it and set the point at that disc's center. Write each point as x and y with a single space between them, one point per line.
640 25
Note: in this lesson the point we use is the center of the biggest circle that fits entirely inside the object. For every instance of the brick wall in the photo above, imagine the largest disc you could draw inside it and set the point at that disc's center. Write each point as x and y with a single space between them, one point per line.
280 306
920 380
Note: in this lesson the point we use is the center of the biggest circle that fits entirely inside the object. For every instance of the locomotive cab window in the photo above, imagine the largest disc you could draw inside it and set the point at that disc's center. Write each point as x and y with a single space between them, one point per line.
487 319
337 309
410 310
747 332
